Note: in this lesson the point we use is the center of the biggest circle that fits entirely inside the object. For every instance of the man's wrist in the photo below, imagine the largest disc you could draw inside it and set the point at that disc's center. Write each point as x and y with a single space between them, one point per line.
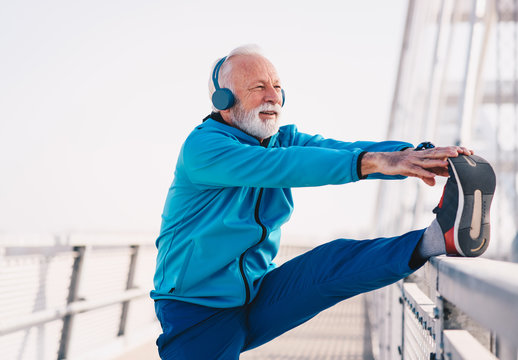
359 165
369 164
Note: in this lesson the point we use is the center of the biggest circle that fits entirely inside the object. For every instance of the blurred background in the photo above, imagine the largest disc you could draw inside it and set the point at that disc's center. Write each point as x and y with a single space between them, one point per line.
97 97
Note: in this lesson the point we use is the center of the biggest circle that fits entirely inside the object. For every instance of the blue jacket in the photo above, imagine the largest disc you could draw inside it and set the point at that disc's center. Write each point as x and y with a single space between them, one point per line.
221 224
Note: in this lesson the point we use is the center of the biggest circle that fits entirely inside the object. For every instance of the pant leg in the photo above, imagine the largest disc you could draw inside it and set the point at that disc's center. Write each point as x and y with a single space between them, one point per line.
195 332
301 288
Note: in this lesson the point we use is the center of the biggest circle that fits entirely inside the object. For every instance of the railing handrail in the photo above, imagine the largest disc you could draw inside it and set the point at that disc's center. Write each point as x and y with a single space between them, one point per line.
77 247
45 316
486 290
77 239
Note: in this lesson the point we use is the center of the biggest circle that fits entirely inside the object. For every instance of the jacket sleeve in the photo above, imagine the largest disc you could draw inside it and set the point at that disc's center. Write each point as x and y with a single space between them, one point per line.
218 159
368 146
302 139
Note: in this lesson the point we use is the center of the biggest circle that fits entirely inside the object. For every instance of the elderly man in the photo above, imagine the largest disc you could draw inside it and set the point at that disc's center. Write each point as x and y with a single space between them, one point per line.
217 292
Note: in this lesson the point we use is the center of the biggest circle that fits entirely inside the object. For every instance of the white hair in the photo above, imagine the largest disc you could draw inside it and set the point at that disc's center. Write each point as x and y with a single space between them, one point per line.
226 67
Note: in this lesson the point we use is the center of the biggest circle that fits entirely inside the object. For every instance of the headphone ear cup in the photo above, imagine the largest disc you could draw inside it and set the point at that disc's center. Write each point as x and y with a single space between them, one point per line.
283 96
223 99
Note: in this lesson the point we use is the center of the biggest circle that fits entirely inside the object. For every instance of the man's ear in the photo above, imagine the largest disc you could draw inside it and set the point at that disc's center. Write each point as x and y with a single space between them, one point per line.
225 114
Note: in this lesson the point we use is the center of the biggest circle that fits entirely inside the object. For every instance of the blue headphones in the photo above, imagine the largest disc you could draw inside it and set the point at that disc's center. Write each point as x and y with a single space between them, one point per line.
223 99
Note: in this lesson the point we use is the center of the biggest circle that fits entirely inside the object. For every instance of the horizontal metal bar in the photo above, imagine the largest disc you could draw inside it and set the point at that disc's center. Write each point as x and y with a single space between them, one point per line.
461 345
77 239
421 306
45 316
64 250
486 290
38 250
122 239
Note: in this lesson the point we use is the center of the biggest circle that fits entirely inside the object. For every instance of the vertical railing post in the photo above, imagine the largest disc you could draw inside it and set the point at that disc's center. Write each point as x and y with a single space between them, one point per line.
72 296
438 312
401 348
129 285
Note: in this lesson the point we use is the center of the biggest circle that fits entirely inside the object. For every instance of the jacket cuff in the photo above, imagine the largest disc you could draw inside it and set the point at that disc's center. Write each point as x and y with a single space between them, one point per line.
359 165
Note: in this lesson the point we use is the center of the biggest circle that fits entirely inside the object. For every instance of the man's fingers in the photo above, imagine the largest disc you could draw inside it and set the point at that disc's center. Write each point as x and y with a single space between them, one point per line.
433 163
441 152
427 176
429 181
440 171
447 151
466 151
420 172
463 150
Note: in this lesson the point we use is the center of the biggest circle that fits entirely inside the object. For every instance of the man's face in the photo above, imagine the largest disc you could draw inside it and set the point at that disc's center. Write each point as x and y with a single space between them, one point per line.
256 82
257 89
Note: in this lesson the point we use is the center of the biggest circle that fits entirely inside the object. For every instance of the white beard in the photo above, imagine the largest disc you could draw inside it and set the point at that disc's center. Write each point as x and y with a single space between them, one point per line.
251 123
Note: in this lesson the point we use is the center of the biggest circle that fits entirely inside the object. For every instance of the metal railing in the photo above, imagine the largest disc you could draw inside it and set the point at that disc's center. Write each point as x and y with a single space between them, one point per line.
101 281
92 293
76 307
457 82
452 308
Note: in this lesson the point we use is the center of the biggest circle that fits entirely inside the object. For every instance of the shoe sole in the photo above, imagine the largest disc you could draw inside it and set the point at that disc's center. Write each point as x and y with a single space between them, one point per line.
476 183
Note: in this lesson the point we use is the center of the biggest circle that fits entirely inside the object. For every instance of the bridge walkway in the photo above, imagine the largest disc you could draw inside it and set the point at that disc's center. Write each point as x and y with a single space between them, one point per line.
339 333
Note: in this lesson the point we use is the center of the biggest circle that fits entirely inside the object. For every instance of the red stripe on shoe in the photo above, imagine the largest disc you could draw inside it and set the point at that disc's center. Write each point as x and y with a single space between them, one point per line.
442 198
450 242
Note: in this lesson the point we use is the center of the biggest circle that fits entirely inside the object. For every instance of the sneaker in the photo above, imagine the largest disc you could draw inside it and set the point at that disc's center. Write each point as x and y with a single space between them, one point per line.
463 212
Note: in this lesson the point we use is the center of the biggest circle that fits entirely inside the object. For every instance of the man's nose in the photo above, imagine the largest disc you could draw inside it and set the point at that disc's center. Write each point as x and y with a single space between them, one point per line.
273 95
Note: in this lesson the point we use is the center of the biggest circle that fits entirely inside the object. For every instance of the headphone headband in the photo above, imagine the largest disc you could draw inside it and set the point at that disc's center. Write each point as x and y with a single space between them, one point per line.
215 73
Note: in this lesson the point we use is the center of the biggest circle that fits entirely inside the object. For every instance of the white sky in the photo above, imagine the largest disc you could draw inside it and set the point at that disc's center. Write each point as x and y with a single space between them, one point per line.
96 98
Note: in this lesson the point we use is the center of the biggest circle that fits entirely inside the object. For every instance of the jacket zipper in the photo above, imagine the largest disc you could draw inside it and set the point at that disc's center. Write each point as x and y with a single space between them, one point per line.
263 237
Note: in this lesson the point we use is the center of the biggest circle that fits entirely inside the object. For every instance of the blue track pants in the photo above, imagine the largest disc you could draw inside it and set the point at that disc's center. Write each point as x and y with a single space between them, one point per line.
289 296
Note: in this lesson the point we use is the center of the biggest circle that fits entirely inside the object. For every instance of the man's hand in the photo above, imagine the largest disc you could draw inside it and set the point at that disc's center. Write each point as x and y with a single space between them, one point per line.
424 164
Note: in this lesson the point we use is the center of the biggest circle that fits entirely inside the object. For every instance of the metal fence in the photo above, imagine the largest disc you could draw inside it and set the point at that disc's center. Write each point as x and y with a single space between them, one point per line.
80 296
458 84
452 308
75 296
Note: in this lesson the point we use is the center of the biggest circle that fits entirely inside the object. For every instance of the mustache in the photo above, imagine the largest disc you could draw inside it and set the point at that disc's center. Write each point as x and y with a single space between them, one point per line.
268 107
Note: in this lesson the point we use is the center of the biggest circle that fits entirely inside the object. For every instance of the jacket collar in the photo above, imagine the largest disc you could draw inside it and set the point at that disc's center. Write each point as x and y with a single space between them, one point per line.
215 119
215 116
